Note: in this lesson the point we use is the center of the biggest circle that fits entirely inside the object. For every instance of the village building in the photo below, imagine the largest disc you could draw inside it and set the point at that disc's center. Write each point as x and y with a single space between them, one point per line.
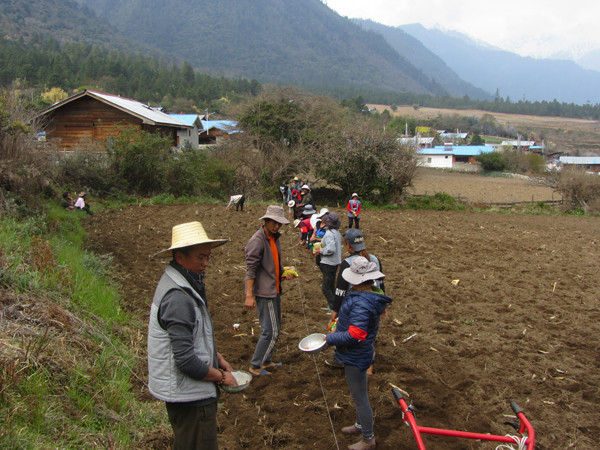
190 135
215 131
444 156
91 116
589 163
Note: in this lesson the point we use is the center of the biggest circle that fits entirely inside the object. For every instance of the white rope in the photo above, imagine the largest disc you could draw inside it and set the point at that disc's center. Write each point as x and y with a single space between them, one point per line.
520 441
301 295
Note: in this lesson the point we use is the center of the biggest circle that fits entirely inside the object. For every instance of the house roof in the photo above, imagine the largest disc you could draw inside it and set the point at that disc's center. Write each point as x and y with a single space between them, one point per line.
144 112
189 119
415 140
583 160
457 150
230 126
518 143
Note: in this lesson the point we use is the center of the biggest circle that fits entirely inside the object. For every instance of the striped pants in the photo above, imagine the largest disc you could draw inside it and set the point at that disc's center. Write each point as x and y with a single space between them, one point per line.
269 316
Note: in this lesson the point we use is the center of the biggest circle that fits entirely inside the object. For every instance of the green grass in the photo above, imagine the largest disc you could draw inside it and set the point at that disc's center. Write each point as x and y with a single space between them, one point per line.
68 360
438 202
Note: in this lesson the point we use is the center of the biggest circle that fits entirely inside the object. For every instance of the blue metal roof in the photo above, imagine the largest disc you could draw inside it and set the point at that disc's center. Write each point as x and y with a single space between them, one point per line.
189 119
226 125
457 150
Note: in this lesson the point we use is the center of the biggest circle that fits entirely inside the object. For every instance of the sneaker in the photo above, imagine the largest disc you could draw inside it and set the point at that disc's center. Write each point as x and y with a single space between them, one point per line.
334 364
363 445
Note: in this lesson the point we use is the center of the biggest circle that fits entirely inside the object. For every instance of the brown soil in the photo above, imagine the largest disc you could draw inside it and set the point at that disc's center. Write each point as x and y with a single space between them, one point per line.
521 325
474 188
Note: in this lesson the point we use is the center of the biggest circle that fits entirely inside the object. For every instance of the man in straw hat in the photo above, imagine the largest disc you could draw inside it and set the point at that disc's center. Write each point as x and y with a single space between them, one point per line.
264 271
357 326
184 367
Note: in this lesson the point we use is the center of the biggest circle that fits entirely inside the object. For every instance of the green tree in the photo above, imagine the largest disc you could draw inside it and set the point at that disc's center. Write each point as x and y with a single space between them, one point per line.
365 159
477 140
492 162
140 159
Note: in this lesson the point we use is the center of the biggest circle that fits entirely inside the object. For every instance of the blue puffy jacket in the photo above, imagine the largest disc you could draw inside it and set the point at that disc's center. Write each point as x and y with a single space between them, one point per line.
357 326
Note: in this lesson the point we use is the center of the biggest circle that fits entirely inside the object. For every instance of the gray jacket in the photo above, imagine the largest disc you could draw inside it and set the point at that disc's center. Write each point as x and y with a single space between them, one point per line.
331 248
165 381
260 265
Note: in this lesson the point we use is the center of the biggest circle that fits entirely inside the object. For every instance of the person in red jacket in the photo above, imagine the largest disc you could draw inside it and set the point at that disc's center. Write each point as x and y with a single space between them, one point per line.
353 209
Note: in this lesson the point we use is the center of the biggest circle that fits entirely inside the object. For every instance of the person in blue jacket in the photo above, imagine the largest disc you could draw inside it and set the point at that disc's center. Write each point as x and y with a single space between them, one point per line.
357 326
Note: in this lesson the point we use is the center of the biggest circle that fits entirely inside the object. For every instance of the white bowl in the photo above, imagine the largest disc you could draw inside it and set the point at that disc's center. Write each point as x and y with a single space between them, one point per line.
313 343
243 379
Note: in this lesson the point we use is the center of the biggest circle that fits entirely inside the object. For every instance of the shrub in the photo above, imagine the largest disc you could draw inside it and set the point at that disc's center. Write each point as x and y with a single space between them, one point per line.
492 162
520 162
580 189
140 159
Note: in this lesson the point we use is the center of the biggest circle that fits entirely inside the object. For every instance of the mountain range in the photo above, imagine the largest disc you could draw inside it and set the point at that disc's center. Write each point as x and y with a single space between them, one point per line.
303 43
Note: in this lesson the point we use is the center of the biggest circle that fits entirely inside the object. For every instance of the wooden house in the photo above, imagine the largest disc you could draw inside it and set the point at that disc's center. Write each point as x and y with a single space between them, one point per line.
215 131
91 115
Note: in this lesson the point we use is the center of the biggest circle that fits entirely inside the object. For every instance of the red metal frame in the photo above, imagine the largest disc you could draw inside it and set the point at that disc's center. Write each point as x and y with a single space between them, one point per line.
409 418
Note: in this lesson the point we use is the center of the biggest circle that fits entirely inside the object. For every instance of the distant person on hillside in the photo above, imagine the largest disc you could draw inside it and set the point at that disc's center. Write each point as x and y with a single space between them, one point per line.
238 201
306 199
67 201
353 209
82 204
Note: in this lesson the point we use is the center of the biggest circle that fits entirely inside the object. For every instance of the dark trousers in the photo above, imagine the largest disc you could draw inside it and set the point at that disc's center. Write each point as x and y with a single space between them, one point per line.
328 286
195 427
355 219
240 204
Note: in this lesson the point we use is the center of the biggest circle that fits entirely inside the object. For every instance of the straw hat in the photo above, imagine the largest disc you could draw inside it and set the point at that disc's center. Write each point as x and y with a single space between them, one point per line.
276 213
82 194
187 235
291 203
296 223
361 270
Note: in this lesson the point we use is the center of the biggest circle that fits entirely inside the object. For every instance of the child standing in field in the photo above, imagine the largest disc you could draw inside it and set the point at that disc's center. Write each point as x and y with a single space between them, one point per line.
353 209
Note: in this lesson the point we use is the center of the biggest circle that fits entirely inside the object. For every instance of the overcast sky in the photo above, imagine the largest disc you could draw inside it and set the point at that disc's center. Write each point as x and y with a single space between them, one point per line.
538 28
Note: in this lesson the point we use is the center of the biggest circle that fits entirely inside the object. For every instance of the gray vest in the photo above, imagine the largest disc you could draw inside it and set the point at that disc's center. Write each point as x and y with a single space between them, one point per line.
165 381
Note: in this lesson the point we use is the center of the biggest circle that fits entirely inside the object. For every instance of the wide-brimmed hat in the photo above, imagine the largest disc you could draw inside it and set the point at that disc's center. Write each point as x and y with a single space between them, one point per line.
361 270
322 212
82 194
305 186
292 203
295 179
276 213
354 194
308 209
331 221
356 239
296 223
187 235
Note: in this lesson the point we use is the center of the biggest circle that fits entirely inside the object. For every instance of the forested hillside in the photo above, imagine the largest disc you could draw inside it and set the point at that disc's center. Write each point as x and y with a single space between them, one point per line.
74 66
65 21
283 41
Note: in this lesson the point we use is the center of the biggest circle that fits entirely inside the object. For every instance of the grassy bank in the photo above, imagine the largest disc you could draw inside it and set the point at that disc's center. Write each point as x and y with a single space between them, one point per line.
68 353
